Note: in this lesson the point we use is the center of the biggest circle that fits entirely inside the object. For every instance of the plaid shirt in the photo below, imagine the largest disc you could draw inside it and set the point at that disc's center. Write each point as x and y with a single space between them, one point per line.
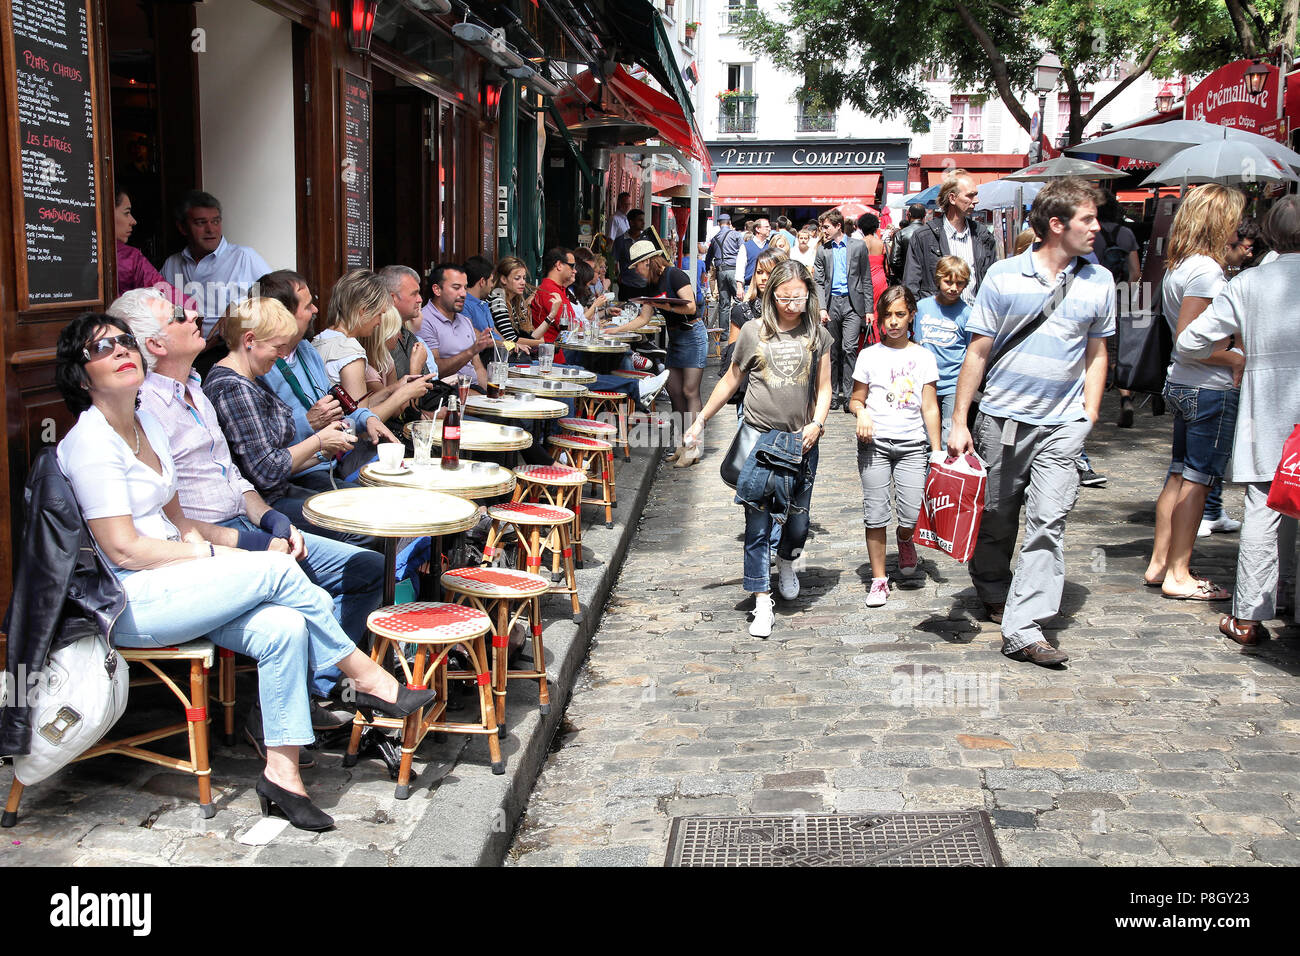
211 488
258 426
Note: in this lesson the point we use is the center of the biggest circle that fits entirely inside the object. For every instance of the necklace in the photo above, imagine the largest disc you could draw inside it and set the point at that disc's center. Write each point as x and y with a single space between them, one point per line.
137 436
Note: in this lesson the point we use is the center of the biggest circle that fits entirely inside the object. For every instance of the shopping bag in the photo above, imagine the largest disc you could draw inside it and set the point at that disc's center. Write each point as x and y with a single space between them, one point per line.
953 505
1284 492
1143 346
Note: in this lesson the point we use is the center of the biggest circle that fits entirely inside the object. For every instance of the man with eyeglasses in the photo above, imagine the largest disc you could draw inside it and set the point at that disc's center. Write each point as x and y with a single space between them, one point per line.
1241 251
748 253
210 270
211 488
843 275
551 309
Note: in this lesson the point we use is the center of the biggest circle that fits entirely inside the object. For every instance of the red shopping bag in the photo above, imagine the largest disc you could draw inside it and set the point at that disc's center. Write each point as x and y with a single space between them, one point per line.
952 507
1284 492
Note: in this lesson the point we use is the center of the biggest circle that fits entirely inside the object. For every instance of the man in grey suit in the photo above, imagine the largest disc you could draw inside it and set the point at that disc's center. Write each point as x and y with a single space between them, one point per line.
843 275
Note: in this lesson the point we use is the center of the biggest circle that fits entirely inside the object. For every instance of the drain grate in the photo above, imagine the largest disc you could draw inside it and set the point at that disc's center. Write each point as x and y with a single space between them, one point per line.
953 838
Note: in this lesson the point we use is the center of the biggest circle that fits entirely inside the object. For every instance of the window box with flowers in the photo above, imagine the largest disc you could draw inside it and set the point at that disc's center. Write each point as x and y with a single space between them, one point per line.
737 112
692 27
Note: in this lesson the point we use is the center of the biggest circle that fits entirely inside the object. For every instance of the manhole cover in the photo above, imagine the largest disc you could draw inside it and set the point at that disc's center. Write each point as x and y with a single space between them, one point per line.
955 838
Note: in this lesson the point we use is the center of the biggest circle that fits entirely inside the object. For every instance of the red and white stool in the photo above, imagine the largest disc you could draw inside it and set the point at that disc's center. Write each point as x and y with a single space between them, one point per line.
435 628
557 485
595 456
538 528
620 403
506 596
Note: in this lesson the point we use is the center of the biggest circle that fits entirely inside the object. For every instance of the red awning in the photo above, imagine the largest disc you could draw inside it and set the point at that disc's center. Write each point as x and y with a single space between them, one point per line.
795 189
623 96
977 176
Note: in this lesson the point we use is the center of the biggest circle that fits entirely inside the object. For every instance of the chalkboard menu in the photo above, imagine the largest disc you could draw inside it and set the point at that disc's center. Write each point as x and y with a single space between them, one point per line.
356 172
488 196
55 152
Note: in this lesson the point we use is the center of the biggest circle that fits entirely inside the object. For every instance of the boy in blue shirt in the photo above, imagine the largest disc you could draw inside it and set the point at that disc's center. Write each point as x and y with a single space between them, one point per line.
940 326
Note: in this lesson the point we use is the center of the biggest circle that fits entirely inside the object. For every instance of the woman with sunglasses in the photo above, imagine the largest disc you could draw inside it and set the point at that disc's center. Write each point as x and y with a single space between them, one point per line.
785 353
185 579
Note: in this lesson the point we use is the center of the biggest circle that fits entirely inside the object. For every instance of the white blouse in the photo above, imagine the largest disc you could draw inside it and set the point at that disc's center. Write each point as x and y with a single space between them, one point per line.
109 480
337 351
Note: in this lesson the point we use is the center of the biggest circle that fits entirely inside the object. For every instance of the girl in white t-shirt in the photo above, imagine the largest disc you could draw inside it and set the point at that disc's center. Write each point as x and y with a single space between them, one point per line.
897 407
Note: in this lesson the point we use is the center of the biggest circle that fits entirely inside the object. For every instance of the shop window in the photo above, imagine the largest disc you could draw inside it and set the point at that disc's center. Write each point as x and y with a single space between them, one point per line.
966 125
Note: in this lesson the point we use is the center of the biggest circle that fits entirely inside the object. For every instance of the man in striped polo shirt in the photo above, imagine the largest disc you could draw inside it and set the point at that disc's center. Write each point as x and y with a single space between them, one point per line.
1040 401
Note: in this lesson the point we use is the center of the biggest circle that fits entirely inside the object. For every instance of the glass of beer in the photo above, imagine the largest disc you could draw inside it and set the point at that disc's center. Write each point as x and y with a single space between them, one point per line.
498 372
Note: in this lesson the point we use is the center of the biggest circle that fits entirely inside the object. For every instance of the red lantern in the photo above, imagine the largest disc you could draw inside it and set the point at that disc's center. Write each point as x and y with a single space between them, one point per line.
491 100
360 24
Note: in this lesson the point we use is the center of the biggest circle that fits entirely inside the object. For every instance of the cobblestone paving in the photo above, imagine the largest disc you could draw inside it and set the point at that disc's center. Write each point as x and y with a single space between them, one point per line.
1163 743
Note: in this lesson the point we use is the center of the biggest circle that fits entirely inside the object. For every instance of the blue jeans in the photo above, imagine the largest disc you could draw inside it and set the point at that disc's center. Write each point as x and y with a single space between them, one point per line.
1205 420
774 536
758 529
259 604
352 576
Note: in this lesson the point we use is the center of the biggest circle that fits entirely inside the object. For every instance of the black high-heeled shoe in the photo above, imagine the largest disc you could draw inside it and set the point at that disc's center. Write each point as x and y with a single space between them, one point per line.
409 700
297 809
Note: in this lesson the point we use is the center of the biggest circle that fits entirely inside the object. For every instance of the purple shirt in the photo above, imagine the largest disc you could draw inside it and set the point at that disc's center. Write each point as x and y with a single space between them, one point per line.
134 271
446 337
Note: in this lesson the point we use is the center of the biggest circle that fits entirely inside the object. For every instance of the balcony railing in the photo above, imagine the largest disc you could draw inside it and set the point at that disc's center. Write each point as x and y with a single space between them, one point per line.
738 114
814 121
732 16
966 144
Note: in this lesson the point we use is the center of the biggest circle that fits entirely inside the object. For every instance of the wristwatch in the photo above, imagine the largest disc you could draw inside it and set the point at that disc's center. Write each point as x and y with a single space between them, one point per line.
820 425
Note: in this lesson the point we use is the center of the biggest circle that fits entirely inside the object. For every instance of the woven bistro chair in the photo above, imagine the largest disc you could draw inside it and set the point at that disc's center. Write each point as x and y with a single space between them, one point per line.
435 628
538 528
557 485
593 404
595 457
506 596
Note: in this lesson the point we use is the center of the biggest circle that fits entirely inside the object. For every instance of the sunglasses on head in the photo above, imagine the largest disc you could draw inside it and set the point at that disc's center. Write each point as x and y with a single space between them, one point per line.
102 347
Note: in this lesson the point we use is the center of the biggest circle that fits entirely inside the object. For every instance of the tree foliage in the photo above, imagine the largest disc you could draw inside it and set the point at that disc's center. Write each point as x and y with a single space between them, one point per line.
872 54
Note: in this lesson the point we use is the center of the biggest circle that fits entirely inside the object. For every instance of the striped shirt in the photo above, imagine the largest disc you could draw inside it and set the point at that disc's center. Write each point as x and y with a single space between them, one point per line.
1040 381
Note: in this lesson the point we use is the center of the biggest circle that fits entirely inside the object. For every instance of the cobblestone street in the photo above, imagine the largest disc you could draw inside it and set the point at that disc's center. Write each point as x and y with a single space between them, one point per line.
1163 743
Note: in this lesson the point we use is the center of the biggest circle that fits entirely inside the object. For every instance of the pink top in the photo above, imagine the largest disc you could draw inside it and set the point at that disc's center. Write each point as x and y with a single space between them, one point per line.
879 280
134 271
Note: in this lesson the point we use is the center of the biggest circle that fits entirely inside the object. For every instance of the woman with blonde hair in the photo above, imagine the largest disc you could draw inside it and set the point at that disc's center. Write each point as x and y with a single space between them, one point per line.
785 353
387 395
1203 392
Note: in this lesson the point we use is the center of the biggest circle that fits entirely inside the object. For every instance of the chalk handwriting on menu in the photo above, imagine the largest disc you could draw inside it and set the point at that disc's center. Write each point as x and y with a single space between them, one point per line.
356 170
56 151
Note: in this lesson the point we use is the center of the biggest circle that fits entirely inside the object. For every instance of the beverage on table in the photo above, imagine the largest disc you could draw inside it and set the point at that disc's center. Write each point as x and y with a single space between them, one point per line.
498 372
422 442
462 388
451 435
545 357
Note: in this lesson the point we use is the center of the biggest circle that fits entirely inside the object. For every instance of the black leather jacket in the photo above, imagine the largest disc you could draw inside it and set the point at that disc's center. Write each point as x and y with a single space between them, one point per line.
930 243
64 586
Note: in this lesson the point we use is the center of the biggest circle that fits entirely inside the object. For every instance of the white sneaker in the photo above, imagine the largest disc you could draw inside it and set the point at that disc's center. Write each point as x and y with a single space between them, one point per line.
764 615
651 384
879 592
1222 524
787 579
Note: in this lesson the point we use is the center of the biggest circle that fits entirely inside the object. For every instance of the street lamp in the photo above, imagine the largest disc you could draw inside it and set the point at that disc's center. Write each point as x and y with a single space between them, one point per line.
1165 99
1256 77
1045 76
361 24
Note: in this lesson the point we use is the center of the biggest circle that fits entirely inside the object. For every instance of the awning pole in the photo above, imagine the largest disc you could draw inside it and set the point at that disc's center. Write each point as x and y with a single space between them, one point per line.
692 224
647 191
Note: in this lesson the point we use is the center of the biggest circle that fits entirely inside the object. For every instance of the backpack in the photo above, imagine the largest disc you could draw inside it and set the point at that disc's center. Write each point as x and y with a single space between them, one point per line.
1113 259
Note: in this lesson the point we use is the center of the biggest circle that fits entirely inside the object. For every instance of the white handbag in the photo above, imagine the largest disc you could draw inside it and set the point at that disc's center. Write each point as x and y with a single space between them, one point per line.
74 701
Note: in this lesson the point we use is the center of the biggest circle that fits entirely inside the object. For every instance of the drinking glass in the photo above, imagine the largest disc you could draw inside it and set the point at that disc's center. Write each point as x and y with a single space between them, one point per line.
498 372
545 357
462 389
422 439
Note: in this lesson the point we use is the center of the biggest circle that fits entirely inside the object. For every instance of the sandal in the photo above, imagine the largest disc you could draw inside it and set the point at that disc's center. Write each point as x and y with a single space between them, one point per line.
1206 590
1247 633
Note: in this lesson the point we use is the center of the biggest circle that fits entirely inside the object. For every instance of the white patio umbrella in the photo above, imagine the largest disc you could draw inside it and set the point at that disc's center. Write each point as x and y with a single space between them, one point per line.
1161 141
1224 161
1001 193
1064 166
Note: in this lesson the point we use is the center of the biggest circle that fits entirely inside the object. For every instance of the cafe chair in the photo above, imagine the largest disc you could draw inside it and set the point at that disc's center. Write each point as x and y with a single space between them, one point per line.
593 404
199 655
557 485
538 528
506 596
434 629
595 456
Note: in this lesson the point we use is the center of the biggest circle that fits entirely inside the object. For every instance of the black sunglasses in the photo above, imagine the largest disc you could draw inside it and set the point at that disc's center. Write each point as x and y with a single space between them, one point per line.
97 350
179 316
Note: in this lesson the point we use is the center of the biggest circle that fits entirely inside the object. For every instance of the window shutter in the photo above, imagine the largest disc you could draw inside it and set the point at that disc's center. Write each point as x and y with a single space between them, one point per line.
993 126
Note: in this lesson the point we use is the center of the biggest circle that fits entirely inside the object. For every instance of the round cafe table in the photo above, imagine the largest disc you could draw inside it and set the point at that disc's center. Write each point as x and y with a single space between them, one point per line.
472 480
392 513
538 408
549 388
558 373
485 436
602 354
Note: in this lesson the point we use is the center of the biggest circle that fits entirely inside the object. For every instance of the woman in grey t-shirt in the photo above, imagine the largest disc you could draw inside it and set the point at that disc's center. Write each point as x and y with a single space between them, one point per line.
1202 392
785 354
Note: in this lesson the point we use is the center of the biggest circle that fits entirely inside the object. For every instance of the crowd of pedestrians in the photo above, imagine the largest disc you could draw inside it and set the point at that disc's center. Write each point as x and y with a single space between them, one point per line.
939 349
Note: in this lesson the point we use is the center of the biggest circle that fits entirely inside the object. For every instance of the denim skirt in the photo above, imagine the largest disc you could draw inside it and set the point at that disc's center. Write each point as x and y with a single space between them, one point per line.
688 346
